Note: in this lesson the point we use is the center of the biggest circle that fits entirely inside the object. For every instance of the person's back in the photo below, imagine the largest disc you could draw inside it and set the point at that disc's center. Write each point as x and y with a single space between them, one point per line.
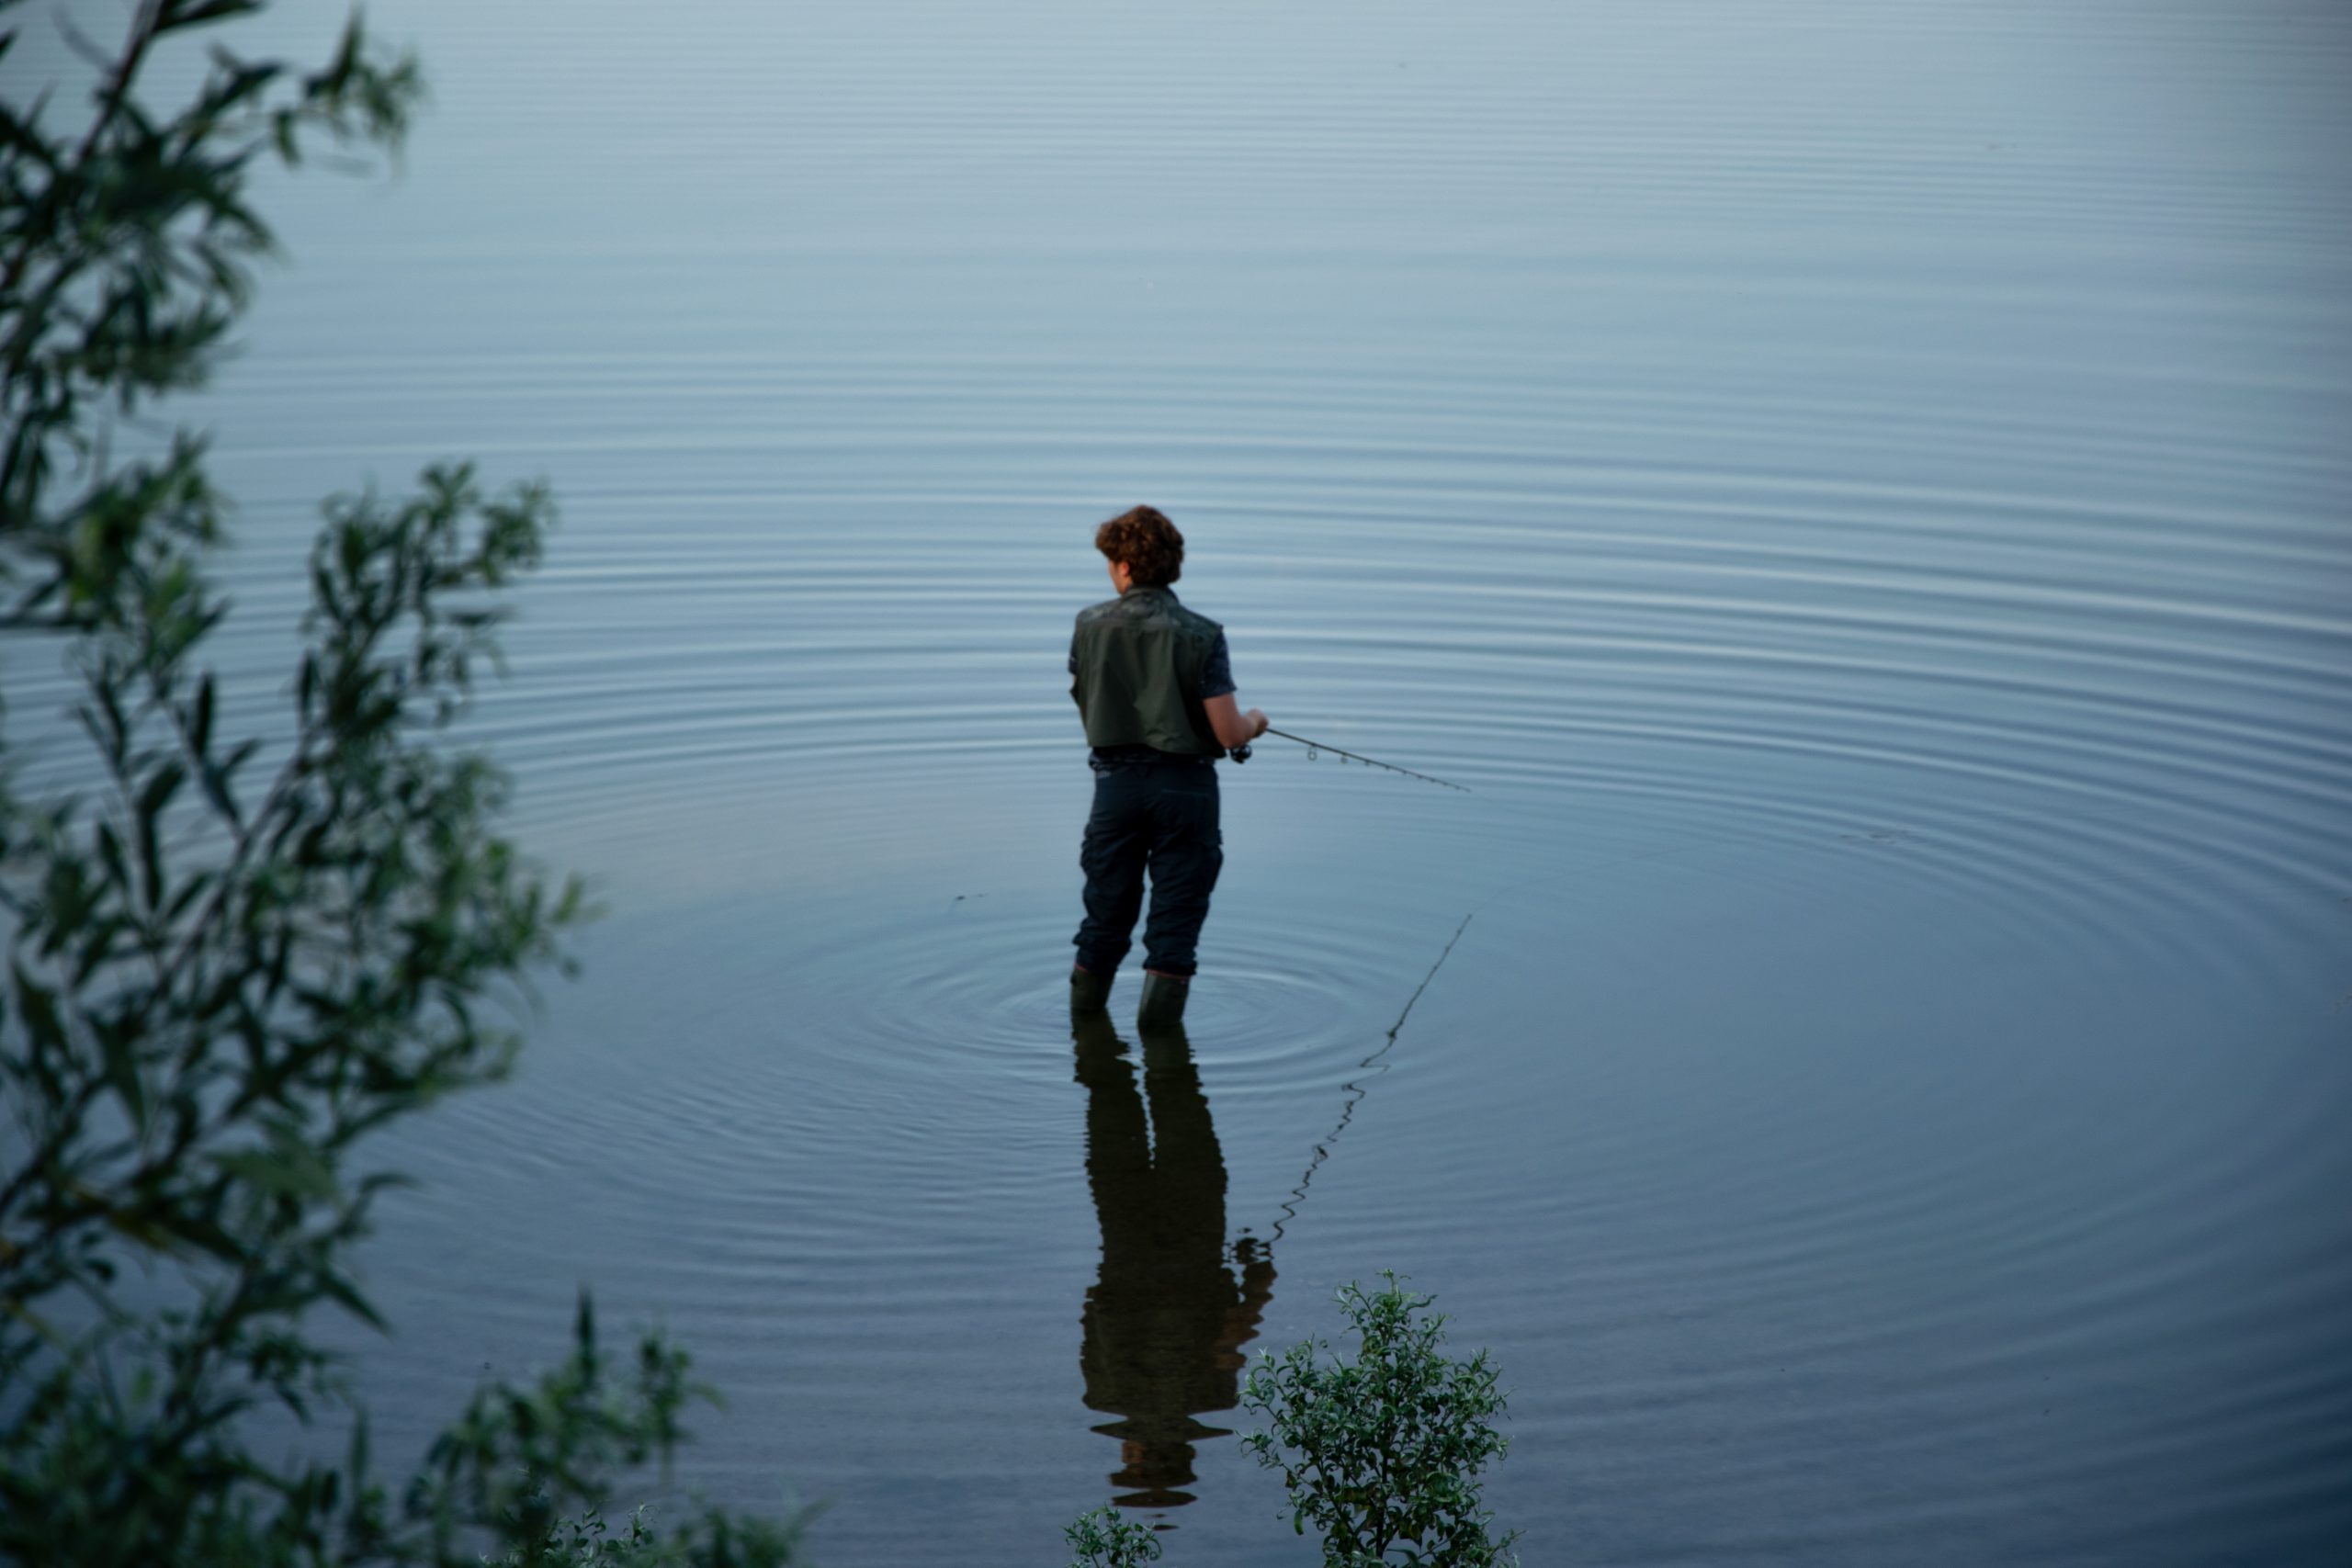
1154 687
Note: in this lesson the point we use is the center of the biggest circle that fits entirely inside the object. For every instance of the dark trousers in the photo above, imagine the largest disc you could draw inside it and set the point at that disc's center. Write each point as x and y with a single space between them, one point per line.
1159 817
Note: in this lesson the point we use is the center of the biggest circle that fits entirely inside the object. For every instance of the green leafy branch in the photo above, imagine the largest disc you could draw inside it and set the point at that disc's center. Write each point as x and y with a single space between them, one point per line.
231 960
1381 1455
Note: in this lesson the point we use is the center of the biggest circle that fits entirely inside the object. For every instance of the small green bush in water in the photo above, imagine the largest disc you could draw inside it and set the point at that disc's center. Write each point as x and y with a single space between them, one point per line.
1381 1455
1104 1539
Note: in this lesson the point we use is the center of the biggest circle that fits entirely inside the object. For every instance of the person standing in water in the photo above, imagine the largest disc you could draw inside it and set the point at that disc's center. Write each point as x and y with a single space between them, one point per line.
1154 685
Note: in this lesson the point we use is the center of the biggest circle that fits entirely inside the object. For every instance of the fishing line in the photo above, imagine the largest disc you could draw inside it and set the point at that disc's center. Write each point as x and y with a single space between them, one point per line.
1356 1090
1373 1065
1377 1063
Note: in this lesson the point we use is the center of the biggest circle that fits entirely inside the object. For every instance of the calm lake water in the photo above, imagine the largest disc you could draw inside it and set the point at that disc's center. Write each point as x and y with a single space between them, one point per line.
1858 491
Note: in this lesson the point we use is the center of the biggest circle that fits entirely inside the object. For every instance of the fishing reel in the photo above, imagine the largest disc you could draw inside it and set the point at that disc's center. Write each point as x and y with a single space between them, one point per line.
1240 753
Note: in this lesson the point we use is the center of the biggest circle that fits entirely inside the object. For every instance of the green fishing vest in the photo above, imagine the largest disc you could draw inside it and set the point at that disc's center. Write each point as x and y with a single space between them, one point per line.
1139 661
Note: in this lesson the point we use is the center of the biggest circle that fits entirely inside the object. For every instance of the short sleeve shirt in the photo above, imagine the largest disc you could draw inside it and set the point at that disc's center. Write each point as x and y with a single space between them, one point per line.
1217 681
1217 676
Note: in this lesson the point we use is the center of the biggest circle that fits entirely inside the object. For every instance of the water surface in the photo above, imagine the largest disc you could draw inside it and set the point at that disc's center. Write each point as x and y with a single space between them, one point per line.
1857 491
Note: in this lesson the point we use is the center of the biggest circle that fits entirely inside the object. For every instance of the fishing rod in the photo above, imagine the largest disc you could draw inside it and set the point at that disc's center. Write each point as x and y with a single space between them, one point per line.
1241 754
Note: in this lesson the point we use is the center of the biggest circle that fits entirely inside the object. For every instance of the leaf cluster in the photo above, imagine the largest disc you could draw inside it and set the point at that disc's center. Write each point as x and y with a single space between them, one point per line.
126 253
1103 1538
1381 1455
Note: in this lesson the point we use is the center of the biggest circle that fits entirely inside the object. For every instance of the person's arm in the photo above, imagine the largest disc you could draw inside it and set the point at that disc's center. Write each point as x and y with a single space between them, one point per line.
1230 725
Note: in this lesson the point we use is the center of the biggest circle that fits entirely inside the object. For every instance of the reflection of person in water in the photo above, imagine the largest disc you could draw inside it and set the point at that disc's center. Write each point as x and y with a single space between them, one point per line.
1166 1321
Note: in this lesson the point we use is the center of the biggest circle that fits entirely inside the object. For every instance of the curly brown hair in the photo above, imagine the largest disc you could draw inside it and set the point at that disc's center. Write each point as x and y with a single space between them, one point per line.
1146 543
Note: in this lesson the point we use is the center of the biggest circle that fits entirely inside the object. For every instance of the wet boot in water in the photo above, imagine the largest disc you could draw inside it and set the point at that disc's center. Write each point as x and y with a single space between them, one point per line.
1164 1000
1089 992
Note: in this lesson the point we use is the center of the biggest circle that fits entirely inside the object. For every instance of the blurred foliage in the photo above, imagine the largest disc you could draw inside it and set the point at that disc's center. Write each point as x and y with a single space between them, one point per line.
1381 1455
230 959
1103 1538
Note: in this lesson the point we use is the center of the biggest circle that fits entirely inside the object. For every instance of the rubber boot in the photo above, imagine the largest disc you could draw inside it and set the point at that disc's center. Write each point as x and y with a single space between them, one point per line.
1164 1000
1089 992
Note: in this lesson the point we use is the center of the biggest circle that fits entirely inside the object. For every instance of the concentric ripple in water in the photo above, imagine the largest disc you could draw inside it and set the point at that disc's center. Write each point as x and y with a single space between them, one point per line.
1858 496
